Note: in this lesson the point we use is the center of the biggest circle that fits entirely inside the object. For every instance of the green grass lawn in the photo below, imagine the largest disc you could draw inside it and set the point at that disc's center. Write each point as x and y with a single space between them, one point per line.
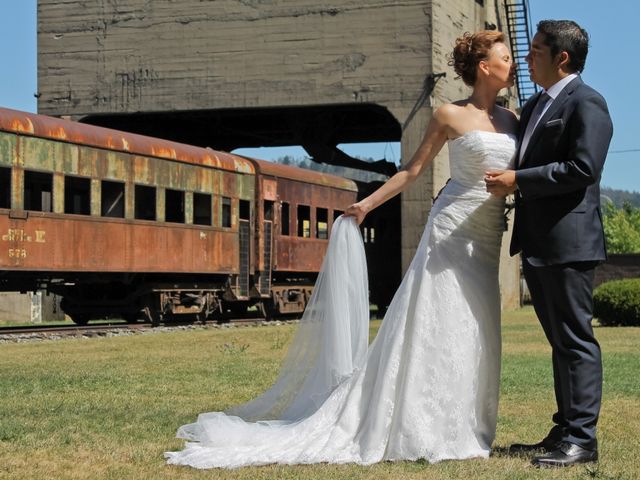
107 408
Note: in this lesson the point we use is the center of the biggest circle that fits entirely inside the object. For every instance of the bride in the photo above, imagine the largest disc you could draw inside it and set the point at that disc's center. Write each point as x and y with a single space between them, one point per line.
427 387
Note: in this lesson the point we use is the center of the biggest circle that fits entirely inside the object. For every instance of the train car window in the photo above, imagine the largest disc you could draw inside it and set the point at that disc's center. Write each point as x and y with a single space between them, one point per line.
304 221
284 220
322 223
37 191
5 187
226 212
268 210
77 195
112 199
337 213
173 206
201 209
245 210
145 202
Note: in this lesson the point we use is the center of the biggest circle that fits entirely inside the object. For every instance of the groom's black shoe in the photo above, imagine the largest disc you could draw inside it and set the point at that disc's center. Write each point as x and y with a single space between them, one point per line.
545 446
565 455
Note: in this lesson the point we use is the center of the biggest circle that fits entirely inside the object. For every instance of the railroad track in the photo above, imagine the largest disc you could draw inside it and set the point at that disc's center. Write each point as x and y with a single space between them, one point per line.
103 328
69 329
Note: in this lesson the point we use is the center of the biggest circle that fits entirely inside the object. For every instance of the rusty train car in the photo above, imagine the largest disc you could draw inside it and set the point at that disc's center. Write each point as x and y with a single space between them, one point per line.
127 226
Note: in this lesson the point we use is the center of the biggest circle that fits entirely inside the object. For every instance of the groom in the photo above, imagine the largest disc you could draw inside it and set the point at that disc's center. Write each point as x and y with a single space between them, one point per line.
564 137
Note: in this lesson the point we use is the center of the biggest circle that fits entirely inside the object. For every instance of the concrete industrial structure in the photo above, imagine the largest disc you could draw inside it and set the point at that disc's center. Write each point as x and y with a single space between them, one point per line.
247 73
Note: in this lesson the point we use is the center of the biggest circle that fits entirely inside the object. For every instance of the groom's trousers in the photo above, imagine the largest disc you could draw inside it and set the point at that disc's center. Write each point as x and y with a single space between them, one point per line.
562 296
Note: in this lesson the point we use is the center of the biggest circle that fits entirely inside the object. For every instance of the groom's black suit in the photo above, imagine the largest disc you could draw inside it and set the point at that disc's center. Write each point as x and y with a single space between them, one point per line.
558 228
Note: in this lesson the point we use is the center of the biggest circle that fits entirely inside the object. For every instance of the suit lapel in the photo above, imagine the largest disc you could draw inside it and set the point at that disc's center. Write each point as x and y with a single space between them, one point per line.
557 104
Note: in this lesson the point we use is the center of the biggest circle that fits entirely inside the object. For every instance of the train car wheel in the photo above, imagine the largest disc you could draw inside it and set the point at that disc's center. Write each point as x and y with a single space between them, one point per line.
266 309
150 311
201 317
153 315
80 318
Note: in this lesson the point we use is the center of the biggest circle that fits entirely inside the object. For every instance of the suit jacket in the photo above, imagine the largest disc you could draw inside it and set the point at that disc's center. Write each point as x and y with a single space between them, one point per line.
557 215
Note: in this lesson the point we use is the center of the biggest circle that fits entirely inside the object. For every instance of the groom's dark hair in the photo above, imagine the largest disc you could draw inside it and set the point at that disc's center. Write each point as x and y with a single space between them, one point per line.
566 36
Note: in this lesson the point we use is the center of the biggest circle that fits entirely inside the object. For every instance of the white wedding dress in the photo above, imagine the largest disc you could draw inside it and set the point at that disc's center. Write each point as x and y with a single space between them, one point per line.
427 386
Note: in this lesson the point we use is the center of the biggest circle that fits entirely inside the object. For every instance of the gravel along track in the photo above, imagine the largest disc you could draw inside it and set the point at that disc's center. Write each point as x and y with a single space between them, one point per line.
41 332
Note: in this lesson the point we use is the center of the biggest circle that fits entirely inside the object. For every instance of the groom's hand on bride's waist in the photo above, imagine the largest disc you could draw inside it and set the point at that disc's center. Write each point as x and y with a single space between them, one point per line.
500 182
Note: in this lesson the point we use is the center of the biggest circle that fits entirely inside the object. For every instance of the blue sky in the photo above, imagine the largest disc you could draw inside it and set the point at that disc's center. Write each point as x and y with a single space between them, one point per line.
611 68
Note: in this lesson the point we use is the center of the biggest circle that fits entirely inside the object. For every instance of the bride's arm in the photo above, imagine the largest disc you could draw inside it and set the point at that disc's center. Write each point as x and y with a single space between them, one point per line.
434 138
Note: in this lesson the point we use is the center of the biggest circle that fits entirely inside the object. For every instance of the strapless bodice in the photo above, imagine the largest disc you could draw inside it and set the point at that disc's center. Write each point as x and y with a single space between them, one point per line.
477 151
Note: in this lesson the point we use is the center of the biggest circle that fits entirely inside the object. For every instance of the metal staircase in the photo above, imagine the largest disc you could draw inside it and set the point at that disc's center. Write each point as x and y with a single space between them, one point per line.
519 27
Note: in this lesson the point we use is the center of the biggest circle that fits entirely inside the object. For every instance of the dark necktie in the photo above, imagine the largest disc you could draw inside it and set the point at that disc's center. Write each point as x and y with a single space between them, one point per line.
533 121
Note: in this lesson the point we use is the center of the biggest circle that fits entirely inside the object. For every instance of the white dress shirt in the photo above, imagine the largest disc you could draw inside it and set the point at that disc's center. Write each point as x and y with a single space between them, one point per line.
553 93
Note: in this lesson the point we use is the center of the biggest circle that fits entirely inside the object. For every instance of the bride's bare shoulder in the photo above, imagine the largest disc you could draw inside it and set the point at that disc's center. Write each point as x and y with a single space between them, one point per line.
450 117
453 108
449 112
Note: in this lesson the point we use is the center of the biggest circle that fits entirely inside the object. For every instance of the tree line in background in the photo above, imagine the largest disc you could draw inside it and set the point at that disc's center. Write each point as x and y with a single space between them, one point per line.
621 208
351 173
620 197
621 211
622 228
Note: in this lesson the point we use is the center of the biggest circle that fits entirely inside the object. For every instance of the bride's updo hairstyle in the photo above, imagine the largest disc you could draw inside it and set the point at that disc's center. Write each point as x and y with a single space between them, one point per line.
469 50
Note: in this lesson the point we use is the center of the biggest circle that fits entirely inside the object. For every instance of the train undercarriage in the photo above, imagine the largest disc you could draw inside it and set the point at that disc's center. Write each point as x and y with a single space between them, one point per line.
154 299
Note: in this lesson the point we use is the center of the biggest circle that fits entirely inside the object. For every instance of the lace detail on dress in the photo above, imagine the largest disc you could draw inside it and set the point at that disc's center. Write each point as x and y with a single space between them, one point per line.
428 387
